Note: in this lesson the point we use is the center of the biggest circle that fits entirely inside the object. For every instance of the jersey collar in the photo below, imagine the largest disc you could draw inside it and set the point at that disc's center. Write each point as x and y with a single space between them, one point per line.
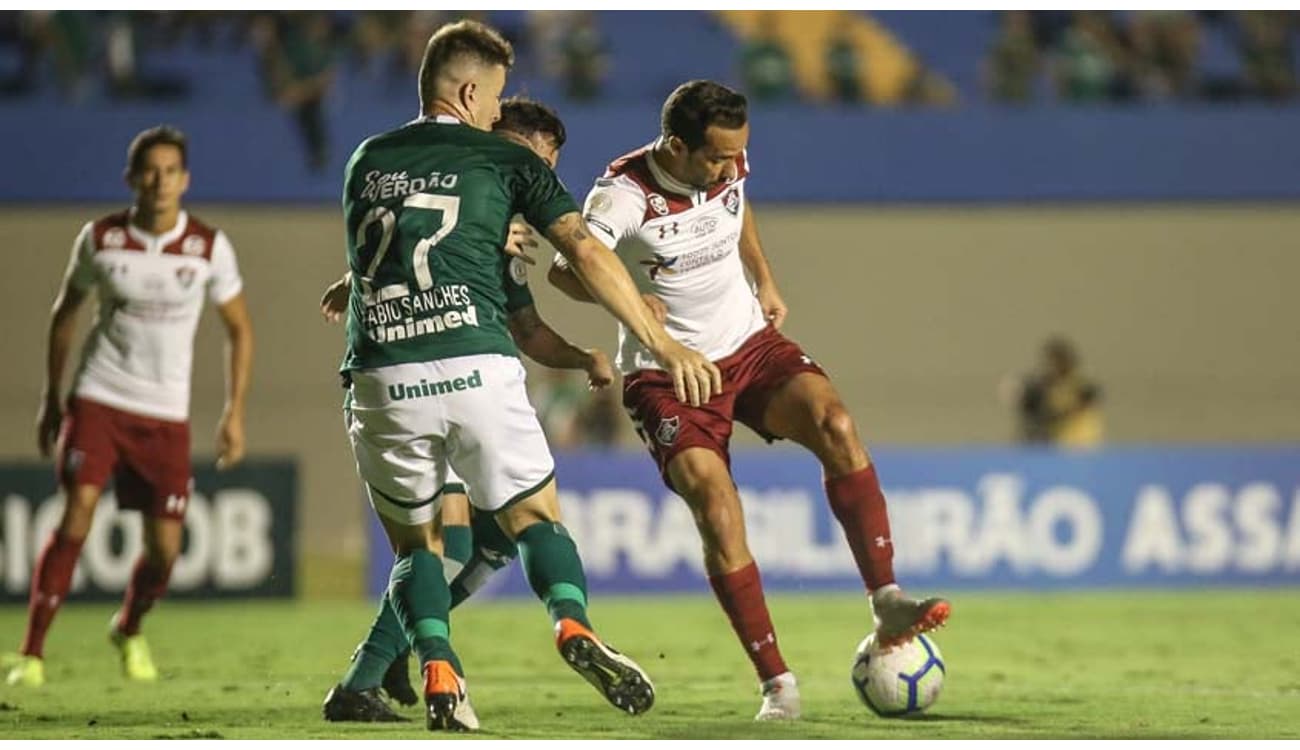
661 176
158 240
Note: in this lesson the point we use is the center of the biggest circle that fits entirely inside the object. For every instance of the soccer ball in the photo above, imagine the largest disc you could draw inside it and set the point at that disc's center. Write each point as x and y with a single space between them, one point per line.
899 681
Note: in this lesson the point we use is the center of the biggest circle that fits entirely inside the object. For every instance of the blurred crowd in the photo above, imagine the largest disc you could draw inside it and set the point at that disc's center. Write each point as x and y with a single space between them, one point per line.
1075 56
1102 56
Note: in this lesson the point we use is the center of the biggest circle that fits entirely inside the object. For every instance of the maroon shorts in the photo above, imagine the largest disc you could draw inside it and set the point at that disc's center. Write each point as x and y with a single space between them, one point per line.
749 378
148 459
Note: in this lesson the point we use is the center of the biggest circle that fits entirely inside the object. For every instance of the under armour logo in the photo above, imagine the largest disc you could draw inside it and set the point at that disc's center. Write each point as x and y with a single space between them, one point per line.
882 541
756 645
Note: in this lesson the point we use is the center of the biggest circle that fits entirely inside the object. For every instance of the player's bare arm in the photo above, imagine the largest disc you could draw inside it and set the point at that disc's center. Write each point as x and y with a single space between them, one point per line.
563 278
751 254
695 378
545 346
239 363
63 328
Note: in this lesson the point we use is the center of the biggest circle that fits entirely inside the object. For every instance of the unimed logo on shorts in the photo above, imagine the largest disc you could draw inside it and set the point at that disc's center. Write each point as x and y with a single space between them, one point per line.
423 389
238 534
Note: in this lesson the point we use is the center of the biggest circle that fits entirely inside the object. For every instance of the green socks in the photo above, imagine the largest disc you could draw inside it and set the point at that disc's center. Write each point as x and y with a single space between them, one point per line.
554 570
421 601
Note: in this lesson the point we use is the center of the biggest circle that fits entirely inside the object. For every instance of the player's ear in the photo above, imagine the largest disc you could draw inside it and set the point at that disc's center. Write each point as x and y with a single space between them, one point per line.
677 146
468 94
185 180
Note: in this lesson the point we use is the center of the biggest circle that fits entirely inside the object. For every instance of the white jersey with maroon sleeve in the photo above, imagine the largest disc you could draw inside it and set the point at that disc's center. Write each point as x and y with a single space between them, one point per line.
151 290
682 245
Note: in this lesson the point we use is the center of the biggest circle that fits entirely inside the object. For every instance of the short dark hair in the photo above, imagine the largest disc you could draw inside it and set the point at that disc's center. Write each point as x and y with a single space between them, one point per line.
159 135
696 105
525 116
456 41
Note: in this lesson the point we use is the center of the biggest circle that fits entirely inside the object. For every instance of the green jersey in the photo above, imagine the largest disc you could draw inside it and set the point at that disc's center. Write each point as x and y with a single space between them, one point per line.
428 209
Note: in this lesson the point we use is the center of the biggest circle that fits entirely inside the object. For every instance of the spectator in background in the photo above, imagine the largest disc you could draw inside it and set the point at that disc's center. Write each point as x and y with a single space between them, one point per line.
601 419
1013 62
765 63
843 66
66 37
297 53
122 33
584 61
1091 63
1165 45
1267 54
558 399
1056 404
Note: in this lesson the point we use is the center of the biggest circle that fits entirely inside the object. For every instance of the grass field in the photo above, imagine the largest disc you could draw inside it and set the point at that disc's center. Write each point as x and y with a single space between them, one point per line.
1134 665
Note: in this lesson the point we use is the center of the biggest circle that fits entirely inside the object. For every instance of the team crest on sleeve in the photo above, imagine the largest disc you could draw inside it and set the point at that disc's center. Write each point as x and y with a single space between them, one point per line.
731 201
666 433
194 245
518 272
115 237
658 204
601 202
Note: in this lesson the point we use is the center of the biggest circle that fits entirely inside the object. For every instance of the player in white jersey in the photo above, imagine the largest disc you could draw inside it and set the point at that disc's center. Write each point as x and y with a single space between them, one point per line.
676 213
151 267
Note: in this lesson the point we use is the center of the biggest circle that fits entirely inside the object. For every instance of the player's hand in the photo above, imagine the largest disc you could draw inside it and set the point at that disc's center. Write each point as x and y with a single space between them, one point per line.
230 440
334 302
600 373
695 378
657 307
520 240
774 309
48 421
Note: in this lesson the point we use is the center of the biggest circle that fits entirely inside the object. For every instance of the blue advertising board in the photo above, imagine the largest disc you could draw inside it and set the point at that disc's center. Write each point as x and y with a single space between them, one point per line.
961 518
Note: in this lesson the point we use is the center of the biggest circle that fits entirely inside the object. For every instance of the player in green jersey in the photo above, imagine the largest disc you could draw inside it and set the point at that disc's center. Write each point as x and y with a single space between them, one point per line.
470 555
435 376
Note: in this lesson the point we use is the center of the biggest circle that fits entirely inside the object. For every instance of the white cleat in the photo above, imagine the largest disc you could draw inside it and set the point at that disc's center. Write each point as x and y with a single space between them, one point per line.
900 618
464 713
780 699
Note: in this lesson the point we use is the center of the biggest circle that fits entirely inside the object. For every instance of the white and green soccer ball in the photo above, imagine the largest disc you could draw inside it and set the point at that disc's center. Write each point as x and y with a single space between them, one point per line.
903 680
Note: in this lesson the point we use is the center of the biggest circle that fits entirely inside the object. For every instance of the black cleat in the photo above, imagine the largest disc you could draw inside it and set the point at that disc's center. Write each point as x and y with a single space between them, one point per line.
622 681
397 681
357 705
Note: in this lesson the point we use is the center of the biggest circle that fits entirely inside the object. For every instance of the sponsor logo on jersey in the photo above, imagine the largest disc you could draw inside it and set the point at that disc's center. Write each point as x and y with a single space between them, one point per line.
425 389
194 245
387 185
658 204
705 225
668 230
731 201
666 433
518 271
185 275
115 237
658 265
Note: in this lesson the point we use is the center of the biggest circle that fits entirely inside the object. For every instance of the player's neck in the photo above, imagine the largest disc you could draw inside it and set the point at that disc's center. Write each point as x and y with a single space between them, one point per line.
155 222
664 161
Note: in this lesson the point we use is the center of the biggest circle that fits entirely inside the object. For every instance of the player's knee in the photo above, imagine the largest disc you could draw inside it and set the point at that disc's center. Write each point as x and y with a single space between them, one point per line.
837 429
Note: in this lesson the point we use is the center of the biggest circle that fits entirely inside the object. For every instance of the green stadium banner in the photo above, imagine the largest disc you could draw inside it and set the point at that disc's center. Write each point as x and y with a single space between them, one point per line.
239 533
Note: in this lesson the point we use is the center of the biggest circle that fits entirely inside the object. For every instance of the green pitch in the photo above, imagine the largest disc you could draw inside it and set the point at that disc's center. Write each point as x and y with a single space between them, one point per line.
1202 664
